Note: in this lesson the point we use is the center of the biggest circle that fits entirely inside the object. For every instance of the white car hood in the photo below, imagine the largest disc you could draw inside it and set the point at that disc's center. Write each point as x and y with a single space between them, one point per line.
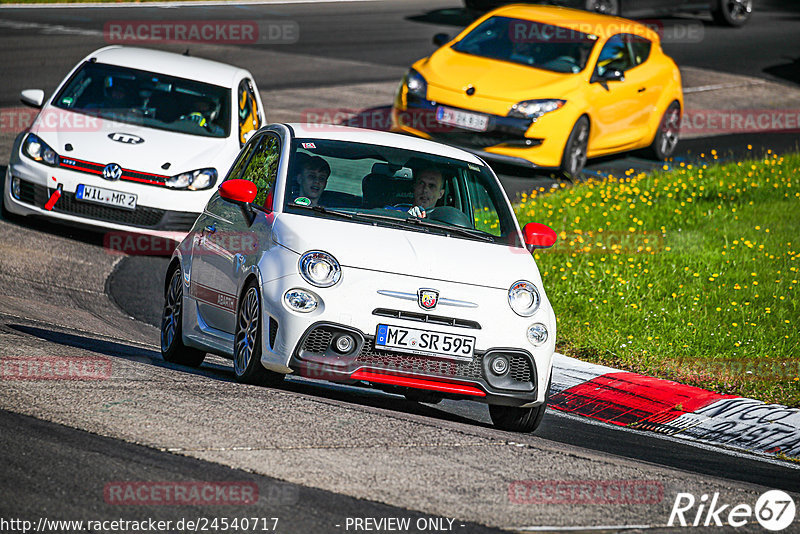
90 141
404 252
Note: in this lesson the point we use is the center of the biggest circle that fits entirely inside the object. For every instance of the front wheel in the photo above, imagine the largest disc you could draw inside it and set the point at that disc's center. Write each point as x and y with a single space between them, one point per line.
731 12
574 157
606 7
666 139
172 348
247 342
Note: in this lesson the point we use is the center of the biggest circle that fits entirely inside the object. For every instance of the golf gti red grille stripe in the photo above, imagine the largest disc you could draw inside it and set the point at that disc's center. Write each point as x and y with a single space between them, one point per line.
419 383
89 167
632 399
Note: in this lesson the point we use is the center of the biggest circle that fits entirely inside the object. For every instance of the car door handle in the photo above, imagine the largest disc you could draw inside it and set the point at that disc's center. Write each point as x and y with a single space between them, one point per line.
211 228
642 90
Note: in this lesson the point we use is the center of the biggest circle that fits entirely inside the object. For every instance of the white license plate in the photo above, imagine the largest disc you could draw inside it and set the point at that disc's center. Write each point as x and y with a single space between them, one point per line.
424 342
99 195
462 119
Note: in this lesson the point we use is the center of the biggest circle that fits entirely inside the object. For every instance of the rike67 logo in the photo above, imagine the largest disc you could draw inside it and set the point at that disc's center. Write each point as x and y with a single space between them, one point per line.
774 510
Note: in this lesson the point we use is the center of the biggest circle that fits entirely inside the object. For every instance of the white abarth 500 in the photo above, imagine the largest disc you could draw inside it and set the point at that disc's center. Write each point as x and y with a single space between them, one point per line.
133 140
366 257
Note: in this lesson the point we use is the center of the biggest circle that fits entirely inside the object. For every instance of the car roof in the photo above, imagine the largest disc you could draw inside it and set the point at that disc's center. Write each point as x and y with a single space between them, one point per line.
169 63
603 26
375 137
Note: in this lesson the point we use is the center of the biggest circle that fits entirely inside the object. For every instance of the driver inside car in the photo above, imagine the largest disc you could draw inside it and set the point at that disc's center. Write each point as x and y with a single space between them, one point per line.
428 189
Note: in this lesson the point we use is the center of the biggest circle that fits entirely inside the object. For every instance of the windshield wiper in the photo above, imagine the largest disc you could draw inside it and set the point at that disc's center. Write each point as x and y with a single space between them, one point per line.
469 232
326 211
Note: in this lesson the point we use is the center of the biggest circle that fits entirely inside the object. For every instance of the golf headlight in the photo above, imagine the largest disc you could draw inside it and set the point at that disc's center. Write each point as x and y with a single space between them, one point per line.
194 180
416 84
320 268
523 297
38 150
533 109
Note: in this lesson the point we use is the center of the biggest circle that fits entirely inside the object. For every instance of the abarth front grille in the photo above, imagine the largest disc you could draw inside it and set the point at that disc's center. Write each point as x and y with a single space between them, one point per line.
413 363
426 318
318 341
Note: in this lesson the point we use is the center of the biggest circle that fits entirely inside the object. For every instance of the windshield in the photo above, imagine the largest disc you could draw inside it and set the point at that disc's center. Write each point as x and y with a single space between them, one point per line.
529 43
148 99
393 187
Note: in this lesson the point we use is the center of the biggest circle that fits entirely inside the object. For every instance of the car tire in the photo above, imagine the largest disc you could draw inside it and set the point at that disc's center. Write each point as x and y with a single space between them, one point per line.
247 342
513 419
666 138
172 348
421 395
606 7
574 157
733 13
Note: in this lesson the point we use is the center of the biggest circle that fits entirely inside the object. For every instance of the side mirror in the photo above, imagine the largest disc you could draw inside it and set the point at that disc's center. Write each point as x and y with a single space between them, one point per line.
238 191
612 75
441 39
243 193
539 236
32 97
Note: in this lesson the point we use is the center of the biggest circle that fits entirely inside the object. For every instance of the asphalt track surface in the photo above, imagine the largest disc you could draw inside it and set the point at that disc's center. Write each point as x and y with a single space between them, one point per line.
341 451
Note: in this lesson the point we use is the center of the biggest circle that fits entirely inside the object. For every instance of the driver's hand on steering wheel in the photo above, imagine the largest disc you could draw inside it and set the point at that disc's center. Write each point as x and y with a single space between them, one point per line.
417 211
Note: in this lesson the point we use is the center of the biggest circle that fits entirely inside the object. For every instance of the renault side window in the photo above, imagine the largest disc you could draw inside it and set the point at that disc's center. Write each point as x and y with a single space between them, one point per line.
615 55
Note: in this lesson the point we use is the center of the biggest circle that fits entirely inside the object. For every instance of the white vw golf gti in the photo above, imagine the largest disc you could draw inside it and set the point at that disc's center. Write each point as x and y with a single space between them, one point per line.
366 258
133 139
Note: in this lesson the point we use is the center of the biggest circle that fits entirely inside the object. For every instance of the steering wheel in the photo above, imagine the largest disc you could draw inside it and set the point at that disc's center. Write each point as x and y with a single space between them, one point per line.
449 215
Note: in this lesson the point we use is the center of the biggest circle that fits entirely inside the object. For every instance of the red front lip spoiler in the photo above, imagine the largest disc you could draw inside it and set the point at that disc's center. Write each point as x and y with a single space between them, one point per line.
418 383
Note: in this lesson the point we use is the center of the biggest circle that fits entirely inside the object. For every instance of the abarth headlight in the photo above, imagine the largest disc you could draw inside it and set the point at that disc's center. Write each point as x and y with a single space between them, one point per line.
523 297
320 268
416 84
38 150
193 180
533 109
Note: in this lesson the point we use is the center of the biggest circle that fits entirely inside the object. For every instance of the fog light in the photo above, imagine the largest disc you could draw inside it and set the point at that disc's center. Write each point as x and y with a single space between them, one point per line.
537 334
16 186
300 300
500 365
344 343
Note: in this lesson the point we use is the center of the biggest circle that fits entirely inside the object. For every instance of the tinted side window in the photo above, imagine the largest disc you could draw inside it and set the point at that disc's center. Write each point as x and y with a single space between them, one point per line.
249 116
615 55
241 161
262 168
640 48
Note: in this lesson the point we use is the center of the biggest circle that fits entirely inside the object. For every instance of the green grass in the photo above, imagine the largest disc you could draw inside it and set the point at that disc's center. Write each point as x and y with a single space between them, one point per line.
689 275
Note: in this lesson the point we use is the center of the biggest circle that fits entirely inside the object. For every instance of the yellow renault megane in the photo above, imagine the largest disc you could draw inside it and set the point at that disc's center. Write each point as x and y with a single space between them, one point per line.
545 87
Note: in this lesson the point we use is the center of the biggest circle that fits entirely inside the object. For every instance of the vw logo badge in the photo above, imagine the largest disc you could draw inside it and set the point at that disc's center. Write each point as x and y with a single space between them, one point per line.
112 172
427 298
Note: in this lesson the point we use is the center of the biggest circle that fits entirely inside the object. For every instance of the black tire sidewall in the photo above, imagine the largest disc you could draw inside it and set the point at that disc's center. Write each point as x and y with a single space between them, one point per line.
567 148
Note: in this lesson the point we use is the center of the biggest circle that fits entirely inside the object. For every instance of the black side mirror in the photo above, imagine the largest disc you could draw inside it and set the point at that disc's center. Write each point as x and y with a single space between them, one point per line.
611 75
440 39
